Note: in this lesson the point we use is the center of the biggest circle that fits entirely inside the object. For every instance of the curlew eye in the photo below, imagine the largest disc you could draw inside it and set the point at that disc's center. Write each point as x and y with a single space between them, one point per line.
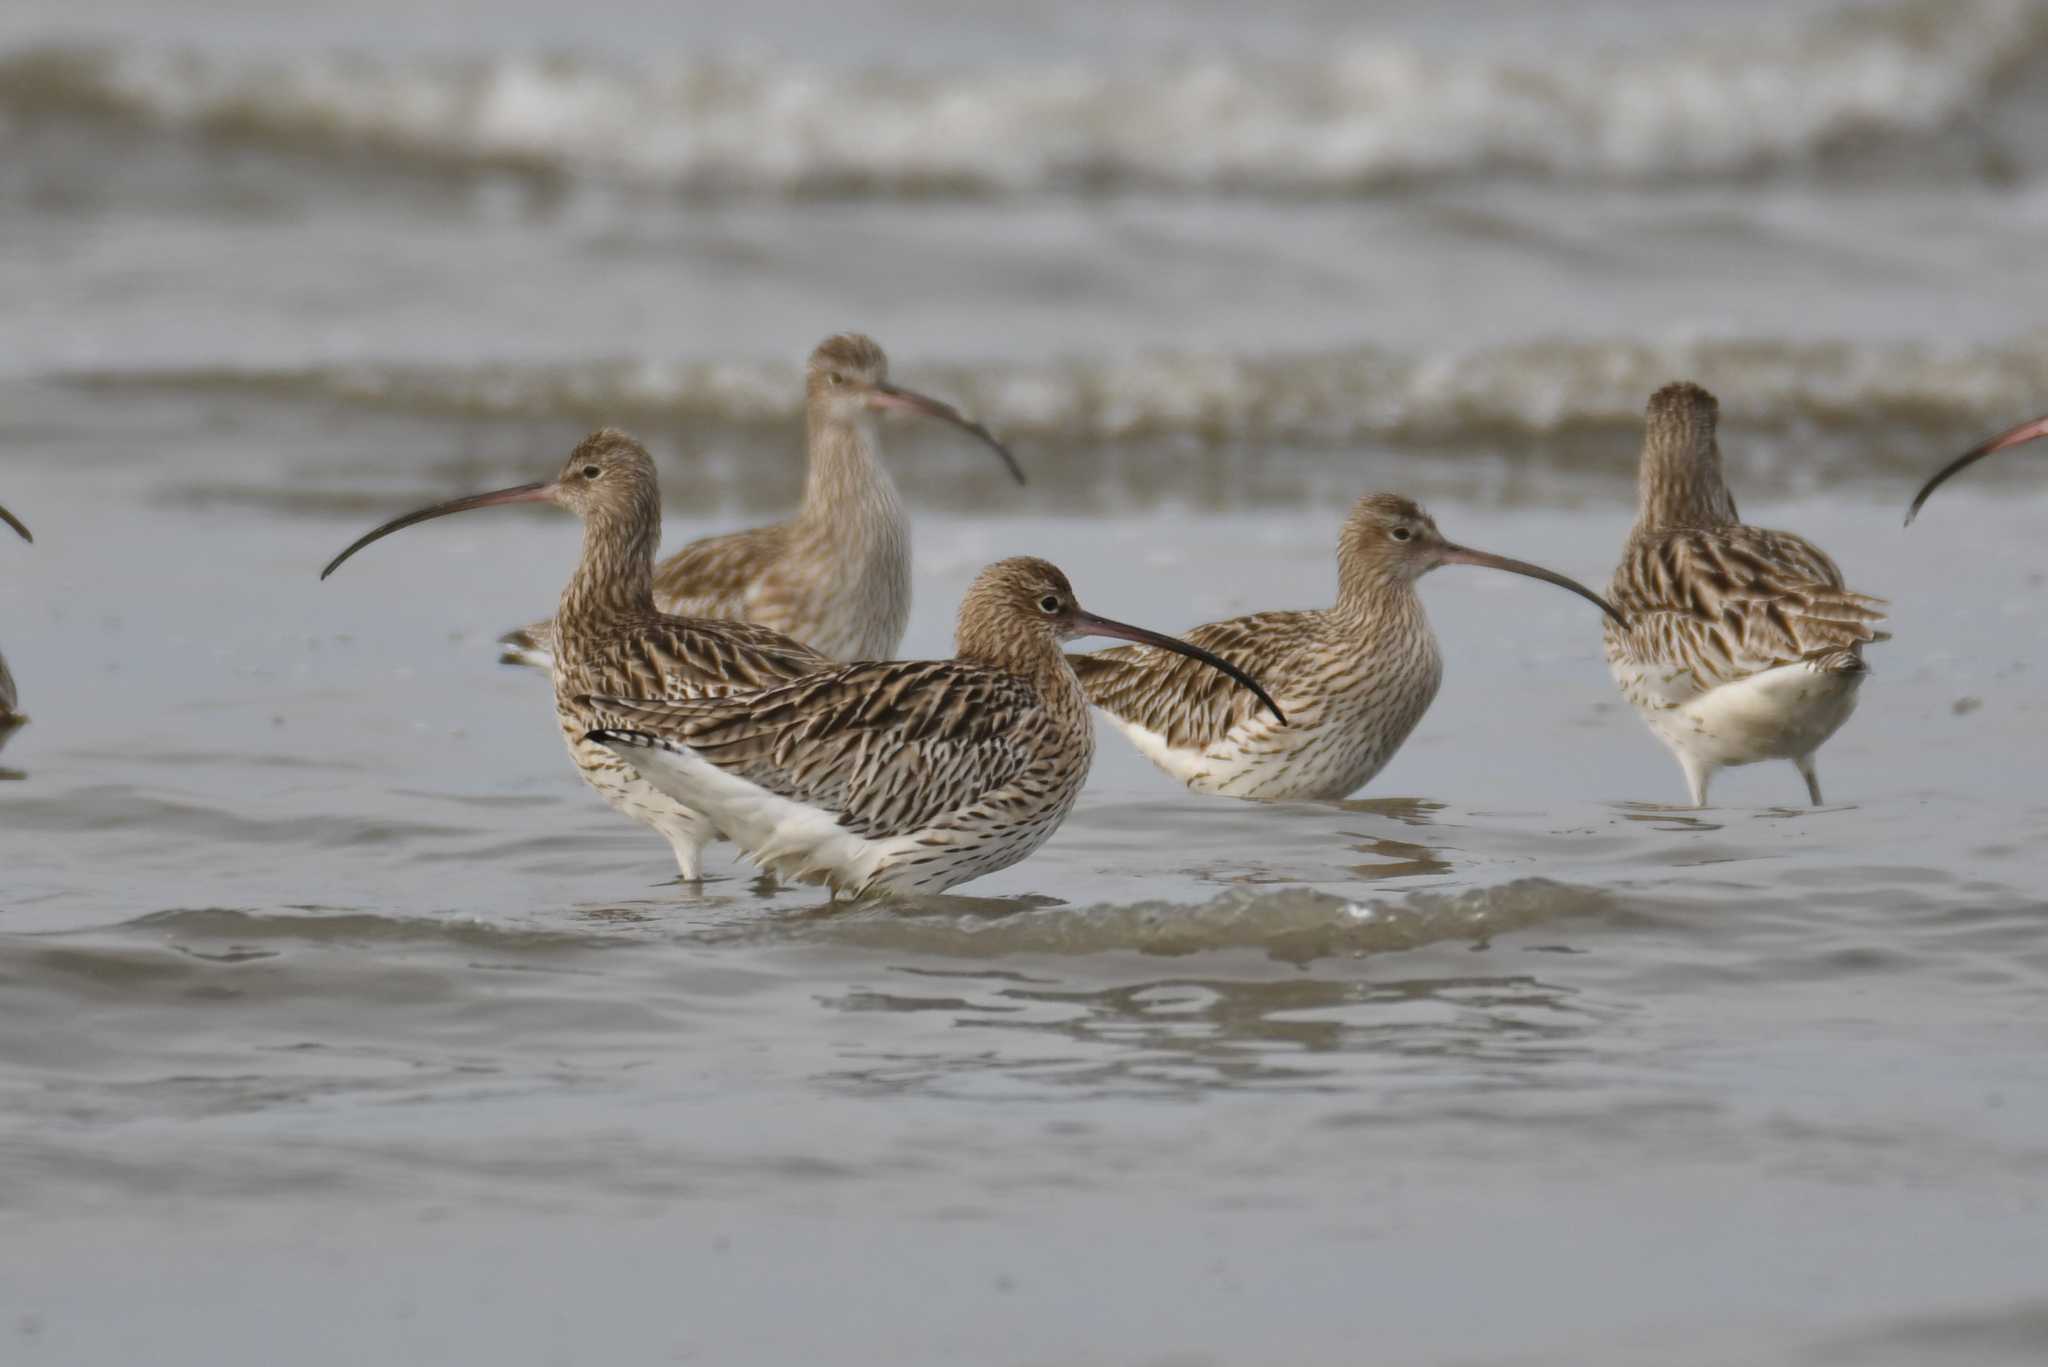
834 377
1049 603
1401 533
591 472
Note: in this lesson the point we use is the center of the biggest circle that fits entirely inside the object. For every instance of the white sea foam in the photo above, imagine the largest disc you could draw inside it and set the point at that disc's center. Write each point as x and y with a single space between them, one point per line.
1551 389
1368 114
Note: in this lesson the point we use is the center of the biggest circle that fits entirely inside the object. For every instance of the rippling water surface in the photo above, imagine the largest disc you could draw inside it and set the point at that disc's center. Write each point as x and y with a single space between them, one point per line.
344 1025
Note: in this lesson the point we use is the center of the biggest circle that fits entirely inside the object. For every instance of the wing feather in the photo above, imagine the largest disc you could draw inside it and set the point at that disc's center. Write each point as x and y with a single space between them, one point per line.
1184 700
711 579
1722 603
714 577
889 747
663 657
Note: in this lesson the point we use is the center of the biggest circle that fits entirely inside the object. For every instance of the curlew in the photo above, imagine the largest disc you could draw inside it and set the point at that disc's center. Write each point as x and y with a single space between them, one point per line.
905 776
1354 678
2014 436
611 638
1741 644
11 718
837 575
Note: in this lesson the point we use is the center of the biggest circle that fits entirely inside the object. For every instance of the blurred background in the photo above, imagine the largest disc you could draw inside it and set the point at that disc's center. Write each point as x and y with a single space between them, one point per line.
336 1003
1184 240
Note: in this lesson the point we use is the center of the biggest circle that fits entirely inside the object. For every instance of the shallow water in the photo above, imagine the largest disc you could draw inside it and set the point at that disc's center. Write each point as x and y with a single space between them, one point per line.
345 1025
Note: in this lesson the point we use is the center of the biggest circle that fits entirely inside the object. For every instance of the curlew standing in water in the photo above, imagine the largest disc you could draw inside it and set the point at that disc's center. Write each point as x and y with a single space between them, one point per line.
1741 644
610 638
2013 436
837 575
11 718
1354 678
904 776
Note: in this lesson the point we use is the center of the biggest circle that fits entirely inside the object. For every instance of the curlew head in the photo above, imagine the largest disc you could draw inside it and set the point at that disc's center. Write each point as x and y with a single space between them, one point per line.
1680 482
847 379
1023 608
1390 539
608 479
2015 436
11 520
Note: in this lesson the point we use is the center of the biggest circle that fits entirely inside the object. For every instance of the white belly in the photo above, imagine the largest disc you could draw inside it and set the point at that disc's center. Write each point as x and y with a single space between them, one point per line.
632 796
1781 713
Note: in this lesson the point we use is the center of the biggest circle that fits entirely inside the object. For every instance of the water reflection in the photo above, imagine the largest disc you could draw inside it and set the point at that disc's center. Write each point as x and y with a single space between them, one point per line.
1188 1036
1399 859
1409 811
1662 817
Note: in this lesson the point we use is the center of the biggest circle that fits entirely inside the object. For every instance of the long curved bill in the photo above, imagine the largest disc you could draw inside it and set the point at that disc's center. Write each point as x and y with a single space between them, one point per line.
885 396
11 520
541 492
1465 555
1088 624
2025 432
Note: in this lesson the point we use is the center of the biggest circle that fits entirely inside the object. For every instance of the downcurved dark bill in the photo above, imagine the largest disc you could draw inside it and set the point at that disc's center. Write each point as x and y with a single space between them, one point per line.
542 492
1088 624
1465 555
2025 432
11 520
887 395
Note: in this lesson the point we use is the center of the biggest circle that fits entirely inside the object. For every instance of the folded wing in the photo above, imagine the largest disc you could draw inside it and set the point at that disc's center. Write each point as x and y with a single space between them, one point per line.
1184 701
888 747
1709 606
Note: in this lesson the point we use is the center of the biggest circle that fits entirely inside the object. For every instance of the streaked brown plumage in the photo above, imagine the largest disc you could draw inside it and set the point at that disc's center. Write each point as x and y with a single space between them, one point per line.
1741 644
2030 430
837 575
901 776
1355 679
11 718
611 639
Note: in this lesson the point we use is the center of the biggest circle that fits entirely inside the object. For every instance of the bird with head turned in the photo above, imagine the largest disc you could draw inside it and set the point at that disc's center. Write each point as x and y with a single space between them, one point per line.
1355 678
837 575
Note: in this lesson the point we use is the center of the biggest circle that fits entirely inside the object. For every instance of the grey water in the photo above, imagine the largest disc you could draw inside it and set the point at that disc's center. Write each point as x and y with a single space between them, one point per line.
342 1024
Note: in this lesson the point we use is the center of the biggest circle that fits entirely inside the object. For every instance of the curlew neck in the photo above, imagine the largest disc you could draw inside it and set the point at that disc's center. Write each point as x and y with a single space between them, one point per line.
1680 484
848 494
1372 590
615 576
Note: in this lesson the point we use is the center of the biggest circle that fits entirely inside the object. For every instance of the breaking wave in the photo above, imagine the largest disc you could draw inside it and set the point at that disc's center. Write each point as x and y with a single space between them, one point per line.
1366 115
1553 390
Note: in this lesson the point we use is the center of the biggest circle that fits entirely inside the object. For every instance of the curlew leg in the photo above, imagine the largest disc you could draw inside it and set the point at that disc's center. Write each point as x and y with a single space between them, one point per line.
687 834
1697 774
1811 775
688 839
